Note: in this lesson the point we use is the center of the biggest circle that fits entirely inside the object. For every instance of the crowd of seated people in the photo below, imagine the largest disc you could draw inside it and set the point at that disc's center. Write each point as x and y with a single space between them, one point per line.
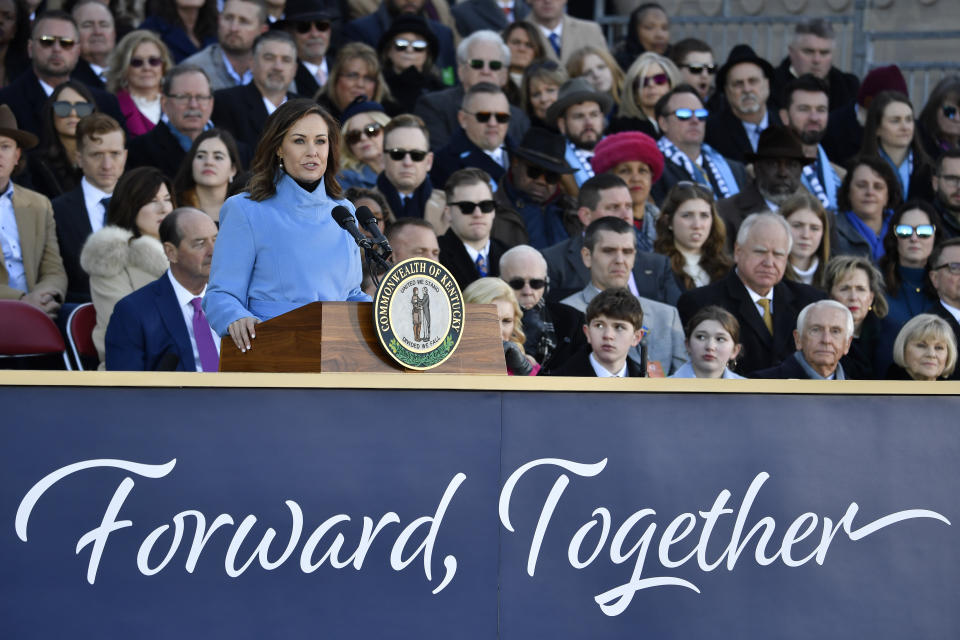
655 208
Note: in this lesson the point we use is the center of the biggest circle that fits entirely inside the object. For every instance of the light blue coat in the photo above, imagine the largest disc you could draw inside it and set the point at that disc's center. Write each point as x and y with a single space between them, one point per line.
279 254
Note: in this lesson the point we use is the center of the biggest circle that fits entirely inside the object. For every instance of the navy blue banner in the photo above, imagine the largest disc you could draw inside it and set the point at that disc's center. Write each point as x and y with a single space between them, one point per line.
252 513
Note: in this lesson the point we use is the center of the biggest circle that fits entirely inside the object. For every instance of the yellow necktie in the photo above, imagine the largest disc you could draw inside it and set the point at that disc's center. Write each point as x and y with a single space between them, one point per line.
767 316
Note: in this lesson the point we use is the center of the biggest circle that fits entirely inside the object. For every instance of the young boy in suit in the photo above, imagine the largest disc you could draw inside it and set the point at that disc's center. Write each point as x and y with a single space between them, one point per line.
614 325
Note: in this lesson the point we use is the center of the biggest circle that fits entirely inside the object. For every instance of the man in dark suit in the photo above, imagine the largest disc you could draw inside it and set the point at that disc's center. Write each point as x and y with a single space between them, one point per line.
823 336
474 15
53 54
811 51
467 249
945 278
310 22
98 36
369 28
243 110
161 326
745 80
763 302
607 195
102 155
481 141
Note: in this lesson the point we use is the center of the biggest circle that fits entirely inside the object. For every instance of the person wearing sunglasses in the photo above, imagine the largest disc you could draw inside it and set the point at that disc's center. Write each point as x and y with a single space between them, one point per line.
405 182
52 165
467 249
185 26
228 62
136 70
890 132
311 23
407 53
811 51
648 79
361 144
481 140
939 123
694 58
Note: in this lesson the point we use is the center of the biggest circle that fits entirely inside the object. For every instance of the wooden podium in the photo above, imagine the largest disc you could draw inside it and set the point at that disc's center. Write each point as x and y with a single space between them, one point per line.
326 337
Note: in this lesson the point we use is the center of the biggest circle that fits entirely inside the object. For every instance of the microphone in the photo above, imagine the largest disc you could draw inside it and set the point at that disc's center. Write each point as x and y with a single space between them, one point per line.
369 222
345 219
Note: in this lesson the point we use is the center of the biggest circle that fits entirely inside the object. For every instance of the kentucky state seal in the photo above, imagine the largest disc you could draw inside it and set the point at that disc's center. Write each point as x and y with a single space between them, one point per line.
418 313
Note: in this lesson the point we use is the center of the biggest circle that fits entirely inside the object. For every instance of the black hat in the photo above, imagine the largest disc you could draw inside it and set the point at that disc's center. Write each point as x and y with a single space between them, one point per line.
575 91
740 54
778 143
410 23
305 10
360 104
545 149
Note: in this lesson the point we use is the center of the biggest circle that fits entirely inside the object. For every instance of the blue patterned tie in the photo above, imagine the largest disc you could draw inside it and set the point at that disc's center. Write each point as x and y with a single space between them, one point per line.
481 266
106 207
555 42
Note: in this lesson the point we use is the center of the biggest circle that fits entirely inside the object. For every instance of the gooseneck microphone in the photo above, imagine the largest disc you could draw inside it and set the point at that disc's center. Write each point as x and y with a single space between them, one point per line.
369 222
345 219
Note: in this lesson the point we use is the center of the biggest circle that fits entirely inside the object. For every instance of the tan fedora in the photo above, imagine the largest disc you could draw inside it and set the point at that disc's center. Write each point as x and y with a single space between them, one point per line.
8 128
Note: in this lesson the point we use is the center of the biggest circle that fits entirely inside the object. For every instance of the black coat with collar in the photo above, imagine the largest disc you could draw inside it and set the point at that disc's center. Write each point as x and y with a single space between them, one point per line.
473 15
73 229
307 85
941 311
726 134
26 97
579 366
454 256
439 110
789 369
461 153
843 87
760 349
240 110
156 148
85 74
674 173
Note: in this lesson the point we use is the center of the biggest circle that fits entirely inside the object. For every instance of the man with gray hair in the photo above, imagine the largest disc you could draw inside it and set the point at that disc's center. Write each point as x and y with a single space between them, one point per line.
553 330
811 51
481 57
755 292
823 335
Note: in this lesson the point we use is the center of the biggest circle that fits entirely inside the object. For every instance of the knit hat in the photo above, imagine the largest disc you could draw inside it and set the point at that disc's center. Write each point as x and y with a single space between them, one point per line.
624 147
880 79
360 104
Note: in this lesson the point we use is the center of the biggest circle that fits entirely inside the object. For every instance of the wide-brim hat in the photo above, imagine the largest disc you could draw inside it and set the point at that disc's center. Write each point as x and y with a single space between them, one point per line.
410 23
304 10
544 149
8 128
575 91
738 55
628 146
778 143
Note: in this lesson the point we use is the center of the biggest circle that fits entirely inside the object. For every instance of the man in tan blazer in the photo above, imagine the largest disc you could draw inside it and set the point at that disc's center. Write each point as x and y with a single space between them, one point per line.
564 33
32 269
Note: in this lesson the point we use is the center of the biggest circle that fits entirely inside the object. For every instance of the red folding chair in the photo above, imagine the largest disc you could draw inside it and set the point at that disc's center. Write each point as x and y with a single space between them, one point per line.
80 324
26 331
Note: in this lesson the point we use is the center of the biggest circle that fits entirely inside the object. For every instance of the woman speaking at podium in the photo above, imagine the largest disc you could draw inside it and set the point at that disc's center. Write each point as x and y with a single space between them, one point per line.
278 247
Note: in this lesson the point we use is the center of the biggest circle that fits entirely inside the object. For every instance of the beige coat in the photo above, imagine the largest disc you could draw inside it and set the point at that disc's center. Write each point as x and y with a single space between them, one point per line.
577 34
42 264
118 265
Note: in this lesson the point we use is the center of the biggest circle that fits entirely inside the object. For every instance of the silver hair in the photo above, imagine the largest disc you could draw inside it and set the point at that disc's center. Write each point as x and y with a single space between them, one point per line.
830 304
747 226
483 35
520 251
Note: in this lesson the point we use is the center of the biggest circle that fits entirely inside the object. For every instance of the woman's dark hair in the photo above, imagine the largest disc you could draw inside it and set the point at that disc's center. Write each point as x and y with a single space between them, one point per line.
206 26
266 164
533 33
891 257
136 188
878 165
16 59
632 40
871 143
947 89
718 314
184 182
358 193
713 256
50 147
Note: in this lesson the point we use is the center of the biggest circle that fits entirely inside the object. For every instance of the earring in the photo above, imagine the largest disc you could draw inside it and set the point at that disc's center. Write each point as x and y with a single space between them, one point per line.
281 163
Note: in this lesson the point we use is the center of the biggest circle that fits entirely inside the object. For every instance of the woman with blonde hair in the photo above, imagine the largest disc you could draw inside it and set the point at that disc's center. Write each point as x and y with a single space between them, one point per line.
540 89
355 73
648 79
925 349
135 74
361 144
597 67
496 291
854 282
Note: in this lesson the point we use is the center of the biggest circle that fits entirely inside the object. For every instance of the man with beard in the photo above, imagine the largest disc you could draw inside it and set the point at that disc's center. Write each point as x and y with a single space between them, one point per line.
481 141
243 110
946 183
311 25
579 114
745 79
681 117
227 63
777 168
806 113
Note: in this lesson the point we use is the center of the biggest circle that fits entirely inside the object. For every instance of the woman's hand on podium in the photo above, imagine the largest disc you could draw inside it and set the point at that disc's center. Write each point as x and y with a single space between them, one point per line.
242 332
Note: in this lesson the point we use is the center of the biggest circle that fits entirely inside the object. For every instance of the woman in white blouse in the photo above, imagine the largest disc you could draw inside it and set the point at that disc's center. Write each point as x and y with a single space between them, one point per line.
691 234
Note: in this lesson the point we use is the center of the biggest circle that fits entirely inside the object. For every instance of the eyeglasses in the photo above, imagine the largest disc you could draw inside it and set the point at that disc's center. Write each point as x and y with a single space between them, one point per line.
467 207
153 61
371 131
495 65
187 98
952 267
697 69
401 44
321 25
950 112
484 116
535 283
685 114
48 41
658 79
906 231
534 173
62 108
398 155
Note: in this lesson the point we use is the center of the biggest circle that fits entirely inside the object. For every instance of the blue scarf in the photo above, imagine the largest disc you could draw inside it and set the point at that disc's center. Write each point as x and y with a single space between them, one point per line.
716 164
903 172
875 241
825 188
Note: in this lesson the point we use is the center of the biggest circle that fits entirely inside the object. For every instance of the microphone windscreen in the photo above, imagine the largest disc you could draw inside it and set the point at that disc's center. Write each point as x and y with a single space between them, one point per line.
365 216
342 215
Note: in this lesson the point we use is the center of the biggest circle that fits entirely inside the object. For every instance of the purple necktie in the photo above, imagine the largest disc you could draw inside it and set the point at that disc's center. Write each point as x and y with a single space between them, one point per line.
209 360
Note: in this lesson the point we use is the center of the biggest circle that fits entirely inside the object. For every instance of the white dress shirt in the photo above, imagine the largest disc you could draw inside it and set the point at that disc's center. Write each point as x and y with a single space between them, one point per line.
92 196
270 106
318 71
10 235
753 130
953 310
473 253
183 299
602 372
756 296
